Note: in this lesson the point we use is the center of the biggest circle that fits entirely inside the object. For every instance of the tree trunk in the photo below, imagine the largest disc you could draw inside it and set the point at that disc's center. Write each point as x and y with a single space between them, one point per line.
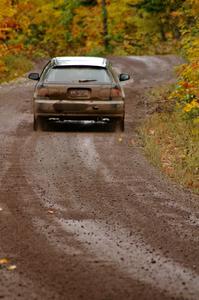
105 24
176 32
162 33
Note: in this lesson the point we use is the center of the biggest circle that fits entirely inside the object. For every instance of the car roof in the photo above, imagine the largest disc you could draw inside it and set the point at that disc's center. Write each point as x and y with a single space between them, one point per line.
80 61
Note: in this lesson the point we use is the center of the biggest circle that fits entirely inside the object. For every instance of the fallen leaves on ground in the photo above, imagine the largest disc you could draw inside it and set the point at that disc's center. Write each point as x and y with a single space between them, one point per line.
132 142
4 264
11 268
4 261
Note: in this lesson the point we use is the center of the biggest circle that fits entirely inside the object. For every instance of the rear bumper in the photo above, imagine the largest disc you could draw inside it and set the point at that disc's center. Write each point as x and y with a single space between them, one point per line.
72 109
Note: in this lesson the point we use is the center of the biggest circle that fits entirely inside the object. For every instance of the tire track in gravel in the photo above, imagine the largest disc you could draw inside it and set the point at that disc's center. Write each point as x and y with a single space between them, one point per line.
89 159
49 280
44 266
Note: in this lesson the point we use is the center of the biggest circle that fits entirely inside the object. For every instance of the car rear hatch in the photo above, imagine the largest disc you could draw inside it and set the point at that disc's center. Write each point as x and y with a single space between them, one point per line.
82 90
72 92
78 83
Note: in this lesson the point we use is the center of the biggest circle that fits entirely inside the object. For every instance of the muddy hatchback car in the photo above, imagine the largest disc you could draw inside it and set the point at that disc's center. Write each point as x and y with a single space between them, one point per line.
79 88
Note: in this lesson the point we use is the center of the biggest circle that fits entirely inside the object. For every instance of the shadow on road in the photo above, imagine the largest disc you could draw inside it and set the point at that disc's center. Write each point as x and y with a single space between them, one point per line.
77 126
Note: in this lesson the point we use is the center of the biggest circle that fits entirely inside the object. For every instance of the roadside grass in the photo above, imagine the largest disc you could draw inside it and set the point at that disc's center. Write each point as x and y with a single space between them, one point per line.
14 66
172 143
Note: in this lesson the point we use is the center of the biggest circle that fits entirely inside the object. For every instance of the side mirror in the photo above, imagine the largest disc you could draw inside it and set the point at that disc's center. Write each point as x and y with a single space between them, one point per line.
34 76
123 77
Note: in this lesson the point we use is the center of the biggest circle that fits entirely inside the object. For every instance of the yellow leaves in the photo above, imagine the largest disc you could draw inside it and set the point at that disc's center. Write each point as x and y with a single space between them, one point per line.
5 263
87 26
66 27
186 93
196 122
176 14
151 131
6 50
194 4
194 104
132 142
6 10
8 23
120 139
11 268
2 66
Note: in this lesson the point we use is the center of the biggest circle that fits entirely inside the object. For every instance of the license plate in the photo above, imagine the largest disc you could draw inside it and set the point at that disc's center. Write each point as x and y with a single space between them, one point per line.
79 93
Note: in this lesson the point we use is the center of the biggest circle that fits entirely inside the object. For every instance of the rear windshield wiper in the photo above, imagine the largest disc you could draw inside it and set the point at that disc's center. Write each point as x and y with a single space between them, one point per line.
87 80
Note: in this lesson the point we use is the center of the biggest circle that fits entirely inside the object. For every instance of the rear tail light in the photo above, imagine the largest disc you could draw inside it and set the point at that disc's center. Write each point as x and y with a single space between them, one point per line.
116 92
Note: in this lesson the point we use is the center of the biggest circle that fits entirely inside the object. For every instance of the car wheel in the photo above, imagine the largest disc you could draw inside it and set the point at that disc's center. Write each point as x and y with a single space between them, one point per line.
119 125
39 123
44 124
36 123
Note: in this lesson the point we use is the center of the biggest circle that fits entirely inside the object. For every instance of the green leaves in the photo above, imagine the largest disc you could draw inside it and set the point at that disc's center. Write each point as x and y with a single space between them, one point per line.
152 6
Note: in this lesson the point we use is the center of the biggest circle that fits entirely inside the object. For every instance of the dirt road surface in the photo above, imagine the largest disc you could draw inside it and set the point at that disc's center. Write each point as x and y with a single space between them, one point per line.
83 215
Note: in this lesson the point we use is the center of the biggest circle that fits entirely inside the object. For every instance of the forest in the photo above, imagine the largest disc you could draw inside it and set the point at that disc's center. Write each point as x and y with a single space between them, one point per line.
95 27
43 28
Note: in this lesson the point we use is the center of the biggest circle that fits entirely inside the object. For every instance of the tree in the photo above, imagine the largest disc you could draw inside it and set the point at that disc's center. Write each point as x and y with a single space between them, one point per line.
161 13
105 24
104 20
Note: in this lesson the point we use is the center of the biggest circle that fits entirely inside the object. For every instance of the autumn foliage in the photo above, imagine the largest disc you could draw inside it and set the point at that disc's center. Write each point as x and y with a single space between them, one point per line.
77 27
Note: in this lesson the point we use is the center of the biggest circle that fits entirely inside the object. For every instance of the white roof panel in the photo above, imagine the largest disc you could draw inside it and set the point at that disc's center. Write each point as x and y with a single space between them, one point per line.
80 61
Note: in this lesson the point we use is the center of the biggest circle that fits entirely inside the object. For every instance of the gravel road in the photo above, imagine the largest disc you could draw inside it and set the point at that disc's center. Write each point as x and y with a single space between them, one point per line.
83 215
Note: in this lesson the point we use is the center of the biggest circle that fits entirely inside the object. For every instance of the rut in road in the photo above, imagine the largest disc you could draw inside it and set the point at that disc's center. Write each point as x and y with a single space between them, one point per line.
84 214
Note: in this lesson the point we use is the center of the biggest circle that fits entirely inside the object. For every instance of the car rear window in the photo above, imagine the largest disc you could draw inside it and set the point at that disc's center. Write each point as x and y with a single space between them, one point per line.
78 75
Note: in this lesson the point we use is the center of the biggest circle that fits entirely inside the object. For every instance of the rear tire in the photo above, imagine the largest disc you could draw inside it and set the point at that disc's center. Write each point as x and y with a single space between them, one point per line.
120 125
39 123
44 124
36 123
